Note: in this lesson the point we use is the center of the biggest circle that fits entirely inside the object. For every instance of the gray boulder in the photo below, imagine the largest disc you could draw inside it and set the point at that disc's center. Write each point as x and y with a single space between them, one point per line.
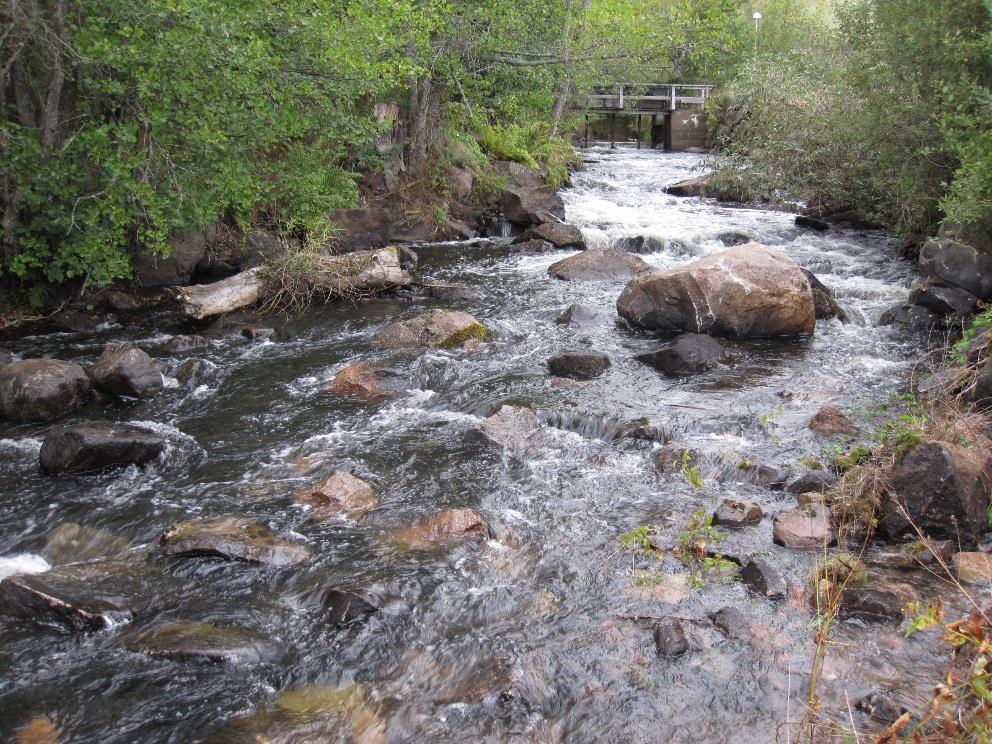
531 205
559 234
942 489
669 638
42 389
944 300
91 447
125 370
953 264
583 365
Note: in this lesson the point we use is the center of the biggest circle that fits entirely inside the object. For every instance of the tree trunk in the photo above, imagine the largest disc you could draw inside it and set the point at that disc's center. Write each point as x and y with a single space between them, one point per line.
350 273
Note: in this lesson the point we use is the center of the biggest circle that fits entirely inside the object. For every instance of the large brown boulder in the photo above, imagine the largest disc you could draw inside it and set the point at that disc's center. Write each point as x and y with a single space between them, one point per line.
513 427
940 488
89 448
608 263
438 328
41 389
124 369
747 291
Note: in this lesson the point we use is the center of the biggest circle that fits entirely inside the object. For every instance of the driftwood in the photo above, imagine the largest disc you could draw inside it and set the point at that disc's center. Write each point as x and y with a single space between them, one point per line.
344 275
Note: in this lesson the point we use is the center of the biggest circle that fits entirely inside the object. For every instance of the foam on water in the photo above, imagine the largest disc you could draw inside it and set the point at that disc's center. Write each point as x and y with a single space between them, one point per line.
23 563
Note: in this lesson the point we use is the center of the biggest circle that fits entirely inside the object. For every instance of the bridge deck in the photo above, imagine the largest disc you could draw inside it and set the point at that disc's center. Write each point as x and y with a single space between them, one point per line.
630 100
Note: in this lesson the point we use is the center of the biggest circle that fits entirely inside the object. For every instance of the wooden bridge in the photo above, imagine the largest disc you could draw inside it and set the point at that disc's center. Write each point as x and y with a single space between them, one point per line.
675 111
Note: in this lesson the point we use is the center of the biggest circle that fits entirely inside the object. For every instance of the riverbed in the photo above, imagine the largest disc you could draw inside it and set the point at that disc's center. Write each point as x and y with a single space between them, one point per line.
539 633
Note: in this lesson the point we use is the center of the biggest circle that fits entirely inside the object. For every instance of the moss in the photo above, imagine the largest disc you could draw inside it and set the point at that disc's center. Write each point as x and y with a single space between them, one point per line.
179 532
476 331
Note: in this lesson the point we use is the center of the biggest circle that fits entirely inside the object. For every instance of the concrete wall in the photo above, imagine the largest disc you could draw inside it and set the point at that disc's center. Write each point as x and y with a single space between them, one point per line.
685 129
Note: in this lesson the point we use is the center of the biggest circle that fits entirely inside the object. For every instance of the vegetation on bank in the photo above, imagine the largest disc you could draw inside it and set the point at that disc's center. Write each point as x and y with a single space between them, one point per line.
125 124
881 106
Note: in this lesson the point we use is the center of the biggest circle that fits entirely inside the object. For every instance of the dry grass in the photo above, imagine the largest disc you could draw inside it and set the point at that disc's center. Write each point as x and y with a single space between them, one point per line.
302 277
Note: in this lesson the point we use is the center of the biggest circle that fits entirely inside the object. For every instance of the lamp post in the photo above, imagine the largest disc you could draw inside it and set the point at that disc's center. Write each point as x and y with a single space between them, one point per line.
757 18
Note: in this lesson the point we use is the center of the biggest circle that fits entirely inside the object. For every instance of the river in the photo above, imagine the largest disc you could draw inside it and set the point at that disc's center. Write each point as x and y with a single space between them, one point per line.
532 635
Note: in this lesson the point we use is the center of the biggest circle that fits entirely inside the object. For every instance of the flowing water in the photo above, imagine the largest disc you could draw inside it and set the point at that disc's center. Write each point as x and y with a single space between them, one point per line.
538 634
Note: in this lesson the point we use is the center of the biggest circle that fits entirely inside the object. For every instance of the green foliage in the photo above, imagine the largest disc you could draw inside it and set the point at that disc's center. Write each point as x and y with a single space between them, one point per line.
980 322
638 539
689 470
886 112
843 460
921 618
173 113
697 533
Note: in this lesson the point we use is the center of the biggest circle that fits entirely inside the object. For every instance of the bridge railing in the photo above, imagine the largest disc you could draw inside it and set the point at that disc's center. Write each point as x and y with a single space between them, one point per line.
646 98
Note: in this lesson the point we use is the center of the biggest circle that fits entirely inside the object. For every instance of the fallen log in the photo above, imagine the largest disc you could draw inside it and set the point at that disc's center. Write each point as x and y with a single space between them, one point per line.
344 275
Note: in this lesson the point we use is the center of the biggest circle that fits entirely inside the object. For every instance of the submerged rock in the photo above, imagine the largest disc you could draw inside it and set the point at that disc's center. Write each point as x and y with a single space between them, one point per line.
438 328
824 304
75 543
533 246
806 527
736 514
940 488
914 554
125 370
688 354
347 607
873 603
202 642
512 427
42 389
814 480
830 421
747 291
195 372
178 345
732 623
974 568
583 365
637 244
914 317
258 333
39 730
339 495
74 599
763 578
672 457
607 263
669 638
364 381
231 538
444 528
578 316
95 446
309 714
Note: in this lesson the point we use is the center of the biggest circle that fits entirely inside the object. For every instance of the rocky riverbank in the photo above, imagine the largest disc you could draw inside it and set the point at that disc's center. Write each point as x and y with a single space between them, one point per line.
617 460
